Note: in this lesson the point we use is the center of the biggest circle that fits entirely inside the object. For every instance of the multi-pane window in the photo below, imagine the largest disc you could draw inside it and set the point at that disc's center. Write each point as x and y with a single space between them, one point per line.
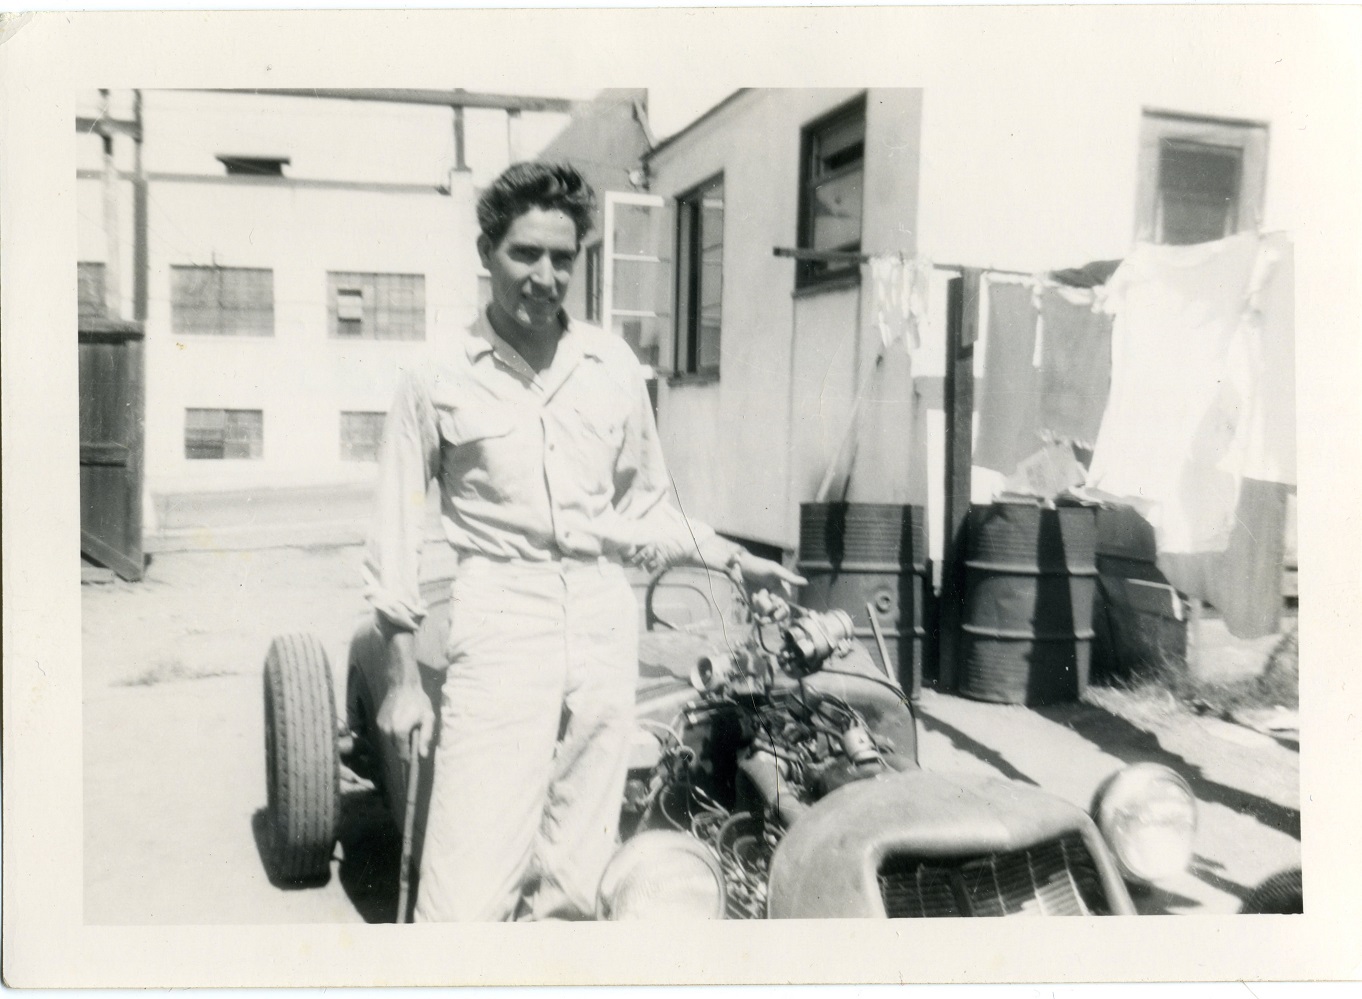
216 434
376 306
222 301
832 171
361 434
1201 179
90 289
700 278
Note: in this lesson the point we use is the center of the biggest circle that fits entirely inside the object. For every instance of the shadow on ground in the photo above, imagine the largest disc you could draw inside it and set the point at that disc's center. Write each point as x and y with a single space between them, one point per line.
959 740
1131 744
371 856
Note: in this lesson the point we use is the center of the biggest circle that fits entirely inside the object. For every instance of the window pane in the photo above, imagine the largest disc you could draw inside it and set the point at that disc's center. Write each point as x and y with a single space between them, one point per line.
350 304
701 239
203 430
642 334
377 306
636 285
594 283
841 144
223 433
1198 191
635 230
837 213
242 438
831 201
220 301
361 435
90 288
685 278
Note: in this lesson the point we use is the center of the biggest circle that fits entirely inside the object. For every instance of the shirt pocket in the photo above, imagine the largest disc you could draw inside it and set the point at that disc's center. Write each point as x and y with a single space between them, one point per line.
601 423
469 426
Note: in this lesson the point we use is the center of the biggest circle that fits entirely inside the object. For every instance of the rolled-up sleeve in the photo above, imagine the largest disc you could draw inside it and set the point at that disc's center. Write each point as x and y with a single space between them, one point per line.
408 460
643 489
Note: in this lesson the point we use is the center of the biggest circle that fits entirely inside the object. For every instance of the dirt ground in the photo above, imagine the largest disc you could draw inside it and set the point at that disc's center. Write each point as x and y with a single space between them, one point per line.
174 759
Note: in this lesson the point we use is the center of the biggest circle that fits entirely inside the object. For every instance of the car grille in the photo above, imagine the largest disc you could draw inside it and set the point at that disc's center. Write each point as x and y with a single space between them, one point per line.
1057 878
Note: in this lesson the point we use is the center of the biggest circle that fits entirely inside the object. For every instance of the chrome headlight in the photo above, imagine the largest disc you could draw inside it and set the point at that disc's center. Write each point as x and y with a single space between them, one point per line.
661 875
1148 815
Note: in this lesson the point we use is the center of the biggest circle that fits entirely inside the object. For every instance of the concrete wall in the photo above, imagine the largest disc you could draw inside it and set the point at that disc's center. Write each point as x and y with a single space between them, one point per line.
747 449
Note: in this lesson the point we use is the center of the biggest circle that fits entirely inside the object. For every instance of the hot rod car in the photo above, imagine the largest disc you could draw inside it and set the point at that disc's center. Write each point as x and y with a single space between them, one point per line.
775 775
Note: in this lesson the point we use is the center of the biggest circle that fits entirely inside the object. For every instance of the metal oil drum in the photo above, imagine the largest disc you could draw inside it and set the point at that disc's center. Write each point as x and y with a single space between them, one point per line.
853 554
1030 579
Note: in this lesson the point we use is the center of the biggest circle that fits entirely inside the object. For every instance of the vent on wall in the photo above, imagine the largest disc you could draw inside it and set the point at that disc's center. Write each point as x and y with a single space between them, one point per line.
254 166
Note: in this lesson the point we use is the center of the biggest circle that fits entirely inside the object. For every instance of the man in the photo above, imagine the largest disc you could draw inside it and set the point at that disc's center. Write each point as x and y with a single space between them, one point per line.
539 432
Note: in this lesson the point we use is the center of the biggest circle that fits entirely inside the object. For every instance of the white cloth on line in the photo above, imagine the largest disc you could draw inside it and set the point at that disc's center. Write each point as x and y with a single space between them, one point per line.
901 288
1183 376
1269 439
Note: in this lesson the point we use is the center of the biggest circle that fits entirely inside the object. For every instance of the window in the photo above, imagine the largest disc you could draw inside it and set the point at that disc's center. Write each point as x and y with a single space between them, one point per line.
222 301
595 276
376 306
1201 179
637 282
700 278
254 166
90 289
832 171
216 434
360 436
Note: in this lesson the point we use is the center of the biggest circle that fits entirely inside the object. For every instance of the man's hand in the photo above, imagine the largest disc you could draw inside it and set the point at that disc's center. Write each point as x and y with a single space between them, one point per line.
758 574
405 709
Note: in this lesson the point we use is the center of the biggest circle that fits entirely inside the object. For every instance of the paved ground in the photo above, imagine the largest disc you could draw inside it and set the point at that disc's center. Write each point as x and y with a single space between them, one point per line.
174 765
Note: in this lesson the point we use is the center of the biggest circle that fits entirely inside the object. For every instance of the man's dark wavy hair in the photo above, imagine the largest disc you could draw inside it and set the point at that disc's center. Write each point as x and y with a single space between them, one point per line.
523 186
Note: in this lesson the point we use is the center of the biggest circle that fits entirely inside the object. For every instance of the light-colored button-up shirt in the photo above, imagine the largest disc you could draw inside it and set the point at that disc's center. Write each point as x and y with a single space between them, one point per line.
531 466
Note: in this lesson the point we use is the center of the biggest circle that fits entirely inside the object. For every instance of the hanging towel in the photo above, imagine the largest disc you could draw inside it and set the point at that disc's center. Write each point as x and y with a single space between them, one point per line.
900 287
1174 420
1009 428
1075 365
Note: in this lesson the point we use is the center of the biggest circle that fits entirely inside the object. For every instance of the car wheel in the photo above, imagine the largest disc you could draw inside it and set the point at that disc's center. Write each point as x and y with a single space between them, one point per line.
301 766
1280 894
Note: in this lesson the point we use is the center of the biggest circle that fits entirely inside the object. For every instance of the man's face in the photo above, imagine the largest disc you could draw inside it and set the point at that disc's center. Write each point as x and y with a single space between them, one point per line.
531 269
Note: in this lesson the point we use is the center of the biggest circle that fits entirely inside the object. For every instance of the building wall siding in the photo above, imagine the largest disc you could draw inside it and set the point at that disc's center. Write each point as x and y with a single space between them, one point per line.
790 366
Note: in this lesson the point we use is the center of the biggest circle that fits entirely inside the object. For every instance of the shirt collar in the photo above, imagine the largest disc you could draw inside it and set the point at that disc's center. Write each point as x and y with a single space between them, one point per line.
484 339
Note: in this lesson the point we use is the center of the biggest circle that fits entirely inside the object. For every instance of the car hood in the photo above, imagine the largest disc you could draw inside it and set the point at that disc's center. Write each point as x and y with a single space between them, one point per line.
827 863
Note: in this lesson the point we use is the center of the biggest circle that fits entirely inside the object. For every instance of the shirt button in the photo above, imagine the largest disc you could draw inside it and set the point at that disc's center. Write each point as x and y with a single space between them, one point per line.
550 447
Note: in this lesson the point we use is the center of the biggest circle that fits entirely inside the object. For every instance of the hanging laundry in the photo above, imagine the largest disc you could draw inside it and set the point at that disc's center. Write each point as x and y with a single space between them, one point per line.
1008 399
1269 450
900 290
1174 419
1243 582
1075 365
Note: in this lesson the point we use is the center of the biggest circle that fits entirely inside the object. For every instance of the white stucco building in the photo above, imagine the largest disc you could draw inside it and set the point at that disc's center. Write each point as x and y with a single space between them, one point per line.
1030 176
300 251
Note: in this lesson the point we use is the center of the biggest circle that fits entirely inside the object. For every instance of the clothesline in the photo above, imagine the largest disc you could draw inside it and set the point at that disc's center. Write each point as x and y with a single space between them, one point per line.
851 257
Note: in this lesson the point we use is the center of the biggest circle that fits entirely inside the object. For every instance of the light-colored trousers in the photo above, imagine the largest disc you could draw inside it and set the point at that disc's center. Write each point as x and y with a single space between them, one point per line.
521 818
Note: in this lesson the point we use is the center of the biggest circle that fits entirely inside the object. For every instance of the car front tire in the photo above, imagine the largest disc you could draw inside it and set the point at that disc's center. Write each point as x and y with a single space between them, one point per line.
301 765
